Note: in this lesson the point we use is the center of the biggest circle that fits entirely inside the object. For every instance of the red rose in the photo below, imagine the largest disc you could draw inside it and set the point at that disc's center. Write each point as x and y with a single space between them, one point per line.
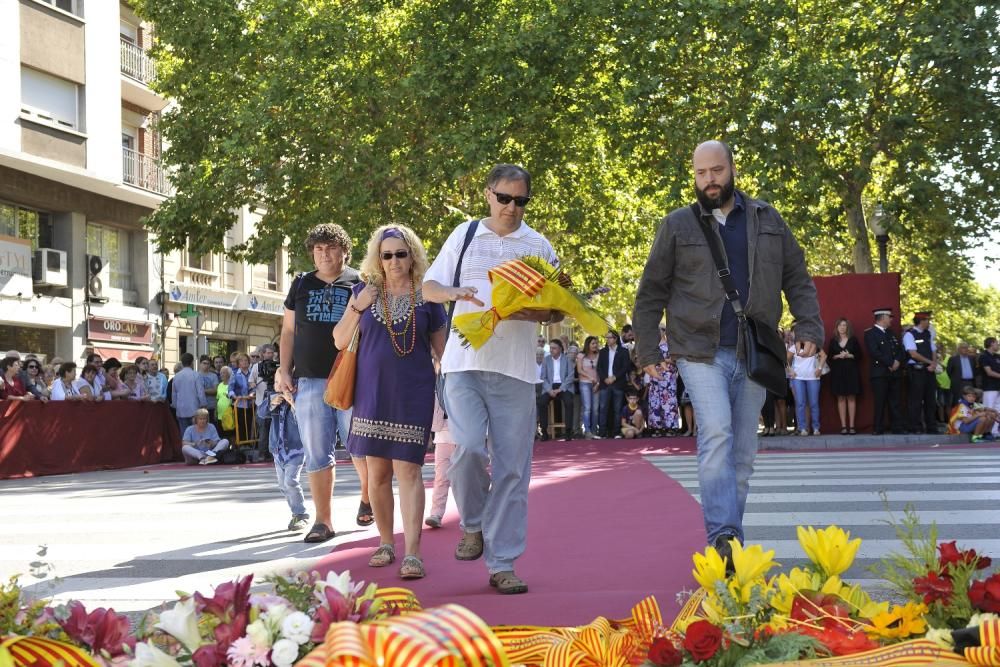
985 595
933 587
663 653
702 640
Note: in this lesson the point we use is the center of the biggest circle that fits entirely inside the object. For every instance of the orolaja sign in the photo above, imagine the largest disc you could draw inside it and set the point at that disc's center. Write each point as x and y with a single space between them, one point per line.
121 331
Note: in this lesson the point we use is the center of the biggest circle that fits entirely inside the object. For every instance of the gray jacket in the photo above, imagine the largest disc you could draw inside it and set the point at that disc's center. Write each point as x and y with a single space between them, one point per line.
566 373
680 278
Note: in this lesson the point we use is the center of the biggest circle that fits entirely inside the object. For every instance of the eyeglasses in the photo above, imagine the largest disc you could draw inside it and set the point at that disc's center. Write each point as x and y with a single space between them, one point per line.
399 254
504 199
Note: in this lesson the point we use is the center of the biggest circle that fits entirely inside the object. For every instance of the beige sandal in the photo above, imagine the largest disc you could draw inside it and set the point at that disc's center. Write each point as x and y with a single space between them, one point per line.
412 568
384 555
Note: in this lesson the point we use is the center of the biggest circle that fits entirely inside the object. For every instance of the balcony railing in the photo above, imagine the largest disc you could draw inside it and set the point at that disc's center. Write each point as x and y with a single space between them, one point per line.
144 172
136 63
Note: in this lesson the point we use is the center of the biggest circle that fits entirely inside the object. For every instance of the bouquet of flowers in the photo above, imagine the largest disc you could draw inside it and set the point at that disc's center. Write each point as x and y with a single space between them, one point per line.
529 282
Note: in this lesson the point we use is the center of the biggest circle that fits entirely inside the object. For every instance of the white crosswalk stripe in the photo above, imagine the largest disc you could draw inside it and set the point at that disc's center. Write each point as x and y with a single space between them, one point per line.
958 489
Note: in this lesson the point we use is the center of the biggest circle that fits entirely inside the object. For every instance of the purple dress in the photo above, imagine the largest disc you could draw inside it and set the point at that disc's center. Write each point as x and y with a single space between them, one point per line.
393 395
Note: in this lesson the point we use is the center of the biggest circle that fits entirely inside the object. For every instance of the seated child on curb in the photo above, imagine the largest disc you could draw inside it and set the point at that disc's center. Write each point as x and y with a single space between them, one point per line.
444 447
972 417
286 448
633 421
200 443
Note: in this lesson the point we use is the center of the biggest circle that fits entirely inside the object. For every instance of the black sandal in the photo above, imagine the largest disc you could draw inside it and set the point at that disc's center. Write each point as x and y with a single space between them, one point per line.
320 532
843 431
365 510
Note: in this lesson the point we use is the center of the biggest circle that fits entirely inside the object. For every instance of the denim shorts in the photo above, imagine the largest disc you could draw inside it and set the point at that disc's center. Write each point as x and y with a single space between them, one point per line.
969 427
319 424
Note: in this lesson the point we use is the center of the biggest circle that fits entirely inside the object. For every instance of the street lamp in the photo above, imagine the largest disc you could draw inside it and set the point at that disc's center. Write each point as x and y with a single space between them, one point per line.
880 228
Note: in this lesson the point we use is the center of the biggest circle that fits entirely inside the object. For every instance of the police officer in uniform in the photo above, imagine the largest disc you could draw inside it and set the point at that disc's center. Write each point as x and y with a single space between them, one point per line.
886 358
921 368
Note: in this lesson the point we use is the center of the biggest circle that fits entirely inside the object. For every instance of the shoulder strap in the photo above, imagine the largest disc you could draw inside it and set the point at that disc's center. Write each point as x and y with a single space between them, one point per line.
469 233
722 269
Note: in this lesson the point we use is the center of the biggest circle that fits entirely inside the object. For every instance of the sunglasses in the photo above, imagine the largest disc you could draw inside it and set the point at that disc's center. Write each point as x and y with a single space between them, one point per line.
504 199
36 367
399 254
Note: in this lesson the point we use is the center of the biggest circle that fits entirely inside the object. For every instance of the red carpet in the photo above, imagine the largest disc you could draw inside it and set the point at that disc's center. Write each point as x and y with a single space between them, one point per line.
603 526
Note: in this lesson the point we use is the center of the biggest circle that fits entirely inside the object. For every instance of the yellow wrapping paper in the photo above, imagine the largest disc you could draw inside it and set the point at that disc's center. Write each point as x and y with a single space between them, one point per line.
528 282
16 651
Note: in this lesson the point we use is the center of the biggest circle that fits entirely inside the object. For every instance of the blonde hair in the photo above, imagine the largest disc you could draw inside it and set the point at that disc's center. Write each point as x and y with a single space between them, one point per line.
371 266
201 412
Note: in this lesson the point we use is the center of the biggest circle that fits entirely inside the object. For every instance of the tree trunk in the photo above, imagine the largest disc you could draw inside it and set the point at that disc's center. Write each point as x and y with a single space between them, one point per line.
859 231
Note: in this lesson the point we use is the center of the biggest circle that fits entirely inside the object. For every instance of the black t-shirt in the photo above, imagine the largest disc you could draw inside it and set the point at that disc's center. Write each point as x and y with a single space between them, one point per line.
990 360
318 307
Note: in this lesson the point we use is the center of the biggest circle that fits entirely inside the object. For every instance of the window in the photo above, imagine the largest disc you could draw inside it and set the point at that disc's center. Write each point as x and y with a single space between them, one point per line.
27 224
272 275
50 99
268 276
71 6
115 246
193 260
129 32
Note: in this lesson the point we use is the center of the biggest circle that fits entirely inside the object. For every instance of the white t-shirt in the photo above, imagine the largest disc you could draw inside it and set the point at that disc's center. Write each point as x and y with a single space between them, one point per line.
60 393
804 367
511 349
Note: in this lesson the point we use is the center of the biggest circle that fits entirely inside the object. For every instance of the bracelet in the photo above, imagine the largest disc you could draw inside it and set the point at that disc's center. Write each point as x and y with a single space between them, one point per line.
356 309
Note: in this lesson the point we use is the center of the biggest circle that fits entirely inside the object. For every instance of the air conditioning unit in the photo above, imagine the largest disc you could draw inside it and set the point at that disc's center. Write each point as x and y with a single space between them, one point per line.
49 267
98 278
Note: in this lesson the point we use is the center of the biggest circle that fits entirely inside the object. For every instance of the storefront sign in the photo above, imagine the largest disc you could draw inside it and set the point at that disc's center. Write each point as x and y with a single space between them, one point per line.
15 267
122 354
204 296
123 331
258 303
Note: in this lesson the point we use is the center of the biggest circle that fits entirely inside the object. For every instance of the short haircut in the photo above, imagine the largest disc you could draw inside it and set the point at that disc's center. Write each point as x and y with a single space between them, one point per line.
89 368
201 412
626 328
92 357
968 389
508 172
130 368
66 369
111 363
630 392
225 372
187 359
7 362
989 341
618 339
266 347
331 233
556 341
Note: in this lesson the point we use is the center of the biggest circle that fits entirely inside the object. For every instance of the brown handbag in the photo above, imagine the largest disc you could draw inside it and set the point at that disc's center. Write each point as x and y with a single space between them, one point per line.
339 392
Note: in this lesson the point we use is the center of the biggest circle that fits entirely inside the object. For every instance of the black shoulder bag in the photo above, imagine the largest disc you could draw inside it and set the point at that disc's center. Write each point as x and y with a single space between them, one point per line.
455 282
763 347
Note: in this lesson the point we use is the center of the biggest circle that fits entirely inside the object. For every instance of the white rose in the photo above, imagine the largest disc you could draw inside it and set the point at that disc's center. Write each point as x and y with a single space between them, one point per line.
942 637
284 653
274 616
978 619
297 626
258 633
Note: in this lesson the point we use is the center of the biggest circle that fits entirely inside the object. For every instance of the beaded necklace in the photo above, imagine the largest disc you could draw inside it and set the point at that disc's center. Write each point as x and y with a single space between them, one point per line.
411 322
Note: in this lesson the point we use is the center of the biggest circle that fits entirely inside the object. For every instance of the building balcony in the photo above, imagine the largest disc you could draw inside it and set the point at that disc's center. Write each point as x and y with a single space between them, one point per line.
144 172
138 71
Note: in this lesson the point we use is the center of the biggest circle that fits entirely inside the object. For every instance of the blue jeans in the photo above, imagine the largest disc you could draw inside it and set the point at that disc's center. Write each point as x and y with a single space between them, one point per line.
616 397
726 406
588 406
491 418
806 392
288 482
319 424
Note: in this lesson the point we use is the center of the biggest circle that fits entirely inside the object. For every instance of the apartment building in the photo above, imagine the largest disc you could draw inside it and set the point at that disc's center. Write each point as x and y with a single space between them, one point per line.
79 169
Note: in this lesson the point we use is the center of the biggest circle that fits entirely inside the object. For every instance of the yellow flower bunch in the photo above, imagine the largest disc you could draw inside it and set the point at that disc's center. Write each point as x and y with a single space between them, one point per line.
751 565
831 549
899 622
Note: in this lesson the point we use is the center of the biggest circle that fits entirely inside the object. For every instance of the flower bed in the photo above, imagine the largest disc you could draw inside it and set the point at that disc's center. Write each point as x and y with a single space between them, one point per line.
746 616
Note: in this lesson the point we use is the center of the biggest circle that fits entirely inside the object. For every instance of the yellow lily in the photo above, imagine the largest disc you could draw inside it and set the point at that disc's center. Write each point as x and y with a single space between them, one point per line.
831 549
709 568
751 563
790 584
859 599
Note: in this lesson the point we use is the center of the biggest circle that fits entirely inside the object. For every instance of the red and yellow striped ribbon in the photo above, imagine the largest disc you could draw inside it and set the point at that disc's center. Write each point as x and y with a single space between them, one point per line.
43 652
446 636
527 280
987 653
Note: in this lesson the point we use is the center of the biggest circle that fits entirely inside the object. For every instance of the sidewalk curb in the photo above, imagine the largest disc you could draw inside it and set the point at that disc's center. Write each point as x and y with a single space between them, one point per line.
861 441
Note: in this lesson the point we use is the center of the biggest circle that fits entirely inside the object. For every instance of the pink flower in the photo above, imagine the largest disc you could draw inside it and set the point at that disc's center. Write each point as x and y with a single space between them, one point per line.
243 653
208 655
229 599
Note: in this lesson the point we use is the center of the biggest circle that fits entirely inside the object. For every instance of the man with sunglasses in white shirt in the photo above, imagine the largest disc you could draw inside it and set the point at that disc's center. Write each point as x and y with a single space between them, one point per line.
489 393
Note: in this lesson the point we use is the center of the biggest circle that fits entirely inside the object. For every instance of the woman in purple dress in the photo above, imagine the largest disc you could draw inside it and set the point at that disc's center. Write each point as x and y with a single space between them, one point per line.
394 391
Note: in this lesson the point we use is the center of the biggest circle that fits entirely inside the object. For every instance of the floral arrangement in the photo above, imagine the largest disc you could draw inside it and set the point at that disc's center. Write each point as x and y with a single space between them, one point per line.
528 282
749 617
954 585
230 627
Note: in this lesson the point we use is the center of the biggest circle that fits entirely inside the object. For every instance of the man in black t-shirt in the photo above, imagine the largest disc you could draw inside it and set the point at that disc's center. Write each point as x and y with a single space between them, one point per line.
315 303
989 361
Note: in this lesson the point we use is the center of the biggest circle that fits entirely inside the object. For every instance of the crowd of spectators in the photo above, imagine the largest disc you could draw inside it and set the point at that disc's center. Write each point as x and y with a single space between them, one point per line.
591 385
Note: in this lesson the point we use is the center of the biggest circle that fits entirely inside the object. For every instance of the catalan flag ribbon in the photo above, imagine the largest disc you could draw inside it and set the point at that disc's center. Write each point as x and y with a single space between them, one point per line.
987 654
529 282
17 651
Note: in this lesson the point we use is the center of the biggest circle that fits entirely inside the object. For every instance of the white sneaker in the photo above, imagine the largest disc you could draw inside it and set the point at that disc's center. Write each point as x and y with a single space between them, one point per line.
208 459
803 432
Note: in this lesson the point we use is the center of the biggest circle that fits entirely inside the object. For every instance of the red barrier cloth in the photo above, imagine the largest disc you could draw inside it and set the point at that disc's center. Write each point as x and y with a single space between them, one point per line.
854 296
61 437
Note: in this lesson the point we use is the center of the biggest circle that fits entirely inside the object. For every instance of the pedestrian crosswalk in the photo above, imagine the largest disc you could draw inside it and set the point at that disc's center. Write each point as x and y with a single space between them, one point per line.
863 492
